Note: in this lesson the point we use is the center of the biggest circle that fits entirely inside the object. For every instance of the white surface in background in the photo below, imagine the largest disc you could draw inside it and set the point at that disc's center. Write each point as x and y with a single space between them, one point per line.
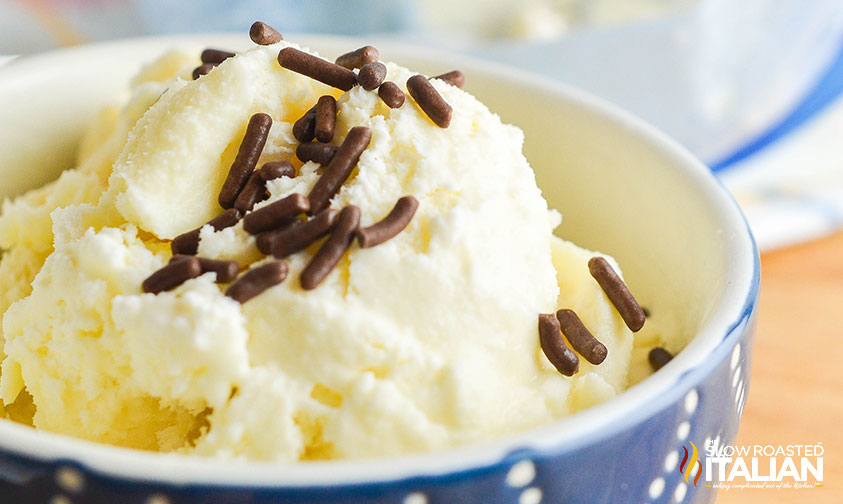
713 74
792 191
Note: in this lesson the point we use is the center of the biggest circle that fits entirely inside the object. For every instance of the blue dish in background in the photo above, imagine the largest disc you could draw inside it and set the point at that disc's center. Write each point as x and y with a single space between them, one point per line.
623 187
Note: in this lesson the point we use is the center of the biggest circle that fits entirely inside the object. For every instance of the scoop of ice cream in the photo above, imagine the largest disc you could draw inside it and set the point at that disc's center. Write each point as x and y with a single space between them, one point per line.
424 342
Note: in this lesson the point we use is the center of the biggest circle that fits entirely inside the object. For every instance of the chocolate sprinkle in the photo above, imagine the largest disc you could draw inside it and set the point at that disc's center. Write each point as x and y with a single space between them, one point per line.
188 243
265 240
326 118
257 280
317 68
247 157
263 34
299 235
339 168
321 153
658 357
277 169
454 78
253 191
617 292
550 337
215 56
333 249
371 75
202 69
389 226
429 100
391 94
226 270
305 128
358 57
172 275
275 214
580 337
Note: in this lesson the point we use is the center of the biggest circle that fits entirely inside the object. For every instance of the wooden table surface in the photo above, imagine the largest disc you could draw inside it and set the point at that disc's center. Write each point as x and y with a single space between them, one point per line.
796 389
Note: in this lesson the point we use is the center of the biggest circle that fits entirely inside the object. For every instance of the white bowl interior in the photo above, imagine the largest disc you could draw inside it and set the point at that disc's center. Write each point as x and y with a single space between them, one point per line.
622 187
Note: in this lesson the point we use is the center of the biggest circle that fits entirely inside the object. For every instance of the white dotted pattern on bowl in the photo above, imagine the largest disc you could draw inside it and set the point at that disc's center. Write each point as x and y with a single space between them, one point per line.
521 474
531 495
690 403
683 430
415 498
680 492
656 488
157 499
671 460
738 383
70 479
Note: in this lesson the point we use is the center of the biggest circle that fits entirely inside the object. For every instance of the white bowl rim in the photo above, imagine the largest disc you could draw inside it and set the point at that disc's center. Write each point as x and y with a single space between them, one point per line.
734 310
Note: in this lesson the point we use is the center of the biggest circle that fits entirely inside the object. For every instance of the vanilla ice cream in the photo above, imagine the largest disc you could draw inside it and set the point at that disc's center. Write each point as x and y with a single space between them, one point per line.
424 342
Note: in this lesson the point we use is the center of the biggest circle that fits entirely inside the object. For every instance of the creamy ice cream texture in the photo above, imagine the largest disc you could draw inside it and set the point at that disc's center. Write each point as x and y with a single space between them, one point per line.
425 342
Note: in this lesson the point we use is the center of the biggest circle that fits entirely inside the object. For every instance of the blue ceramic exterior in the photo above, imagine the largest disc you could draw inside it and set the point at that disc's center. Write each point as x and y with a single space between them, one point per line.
634 463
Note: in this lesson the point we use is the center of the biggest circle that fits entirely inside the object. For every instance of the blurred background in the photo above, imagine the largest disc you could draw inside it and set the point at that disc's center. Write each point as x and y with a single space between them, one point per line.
753 87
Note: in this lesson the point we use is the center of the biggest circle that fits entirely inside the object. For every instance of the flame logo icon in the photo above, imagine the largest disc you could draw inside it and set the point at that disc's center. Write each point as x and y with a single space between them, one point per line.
687 466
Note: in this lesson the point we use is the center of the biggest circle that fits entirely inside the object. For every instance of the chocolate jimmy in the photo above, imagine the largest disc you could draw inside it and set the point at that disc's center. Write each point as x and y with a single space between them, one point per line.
358 57
580 337
389 226
257 280
304 129
617 292
266 240
430 101
226 270
454 78
188 243
296 235
333 249
247 157
202 69
326 118
172 275
215 56
339 168
299 235
553 345
276 169
371 75
658 357
253 191
321 153
263 34
317 68
275 214
391 94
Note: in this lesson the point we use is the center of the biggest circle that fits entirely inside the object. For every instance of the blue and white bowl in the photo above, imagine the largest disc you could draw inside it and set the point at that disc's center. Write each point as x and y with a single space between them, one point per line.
623 187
